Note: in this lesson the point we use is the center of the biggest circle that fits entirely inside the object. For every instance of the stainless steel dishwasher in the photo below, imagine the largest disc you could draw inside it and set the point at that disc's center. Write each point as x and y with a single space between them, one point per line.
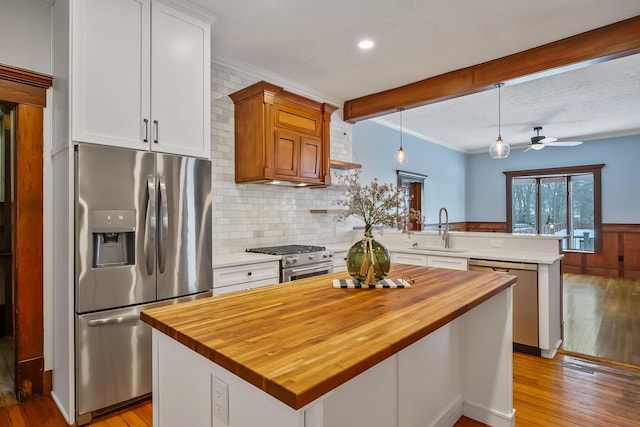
525 300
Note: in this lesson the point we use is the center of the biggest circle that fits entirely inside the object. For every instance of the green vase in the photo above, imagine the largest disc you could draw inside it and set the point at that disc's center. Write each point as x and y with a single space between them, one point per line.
368 260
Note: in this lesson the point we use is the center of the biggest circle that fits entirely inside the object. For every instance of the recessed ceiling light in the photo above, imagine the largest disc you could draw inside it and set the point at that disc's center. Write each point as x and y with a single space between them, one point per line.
366 44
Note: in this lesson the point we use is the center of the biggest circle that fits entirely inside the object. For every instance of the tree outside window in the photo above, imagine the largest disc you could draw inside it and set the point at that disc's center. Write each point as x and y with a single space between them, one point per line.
559 201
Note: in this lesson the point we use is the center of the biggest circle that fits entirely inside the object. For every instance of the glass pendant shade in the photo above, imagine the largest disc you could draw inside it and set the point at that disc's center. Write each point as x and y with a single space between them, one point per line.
401 155
499 149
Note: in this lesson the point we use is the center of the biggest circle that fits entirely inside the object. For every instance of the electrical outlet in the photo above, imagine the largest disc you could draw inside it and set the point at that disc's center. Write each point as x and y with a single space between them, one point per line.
494 243
221 400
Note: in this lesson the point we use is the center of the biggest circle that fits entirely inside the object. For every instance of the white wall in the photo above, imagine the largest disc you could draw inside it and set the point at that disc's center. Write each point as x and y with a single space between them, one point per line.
252 215
26 26
486 182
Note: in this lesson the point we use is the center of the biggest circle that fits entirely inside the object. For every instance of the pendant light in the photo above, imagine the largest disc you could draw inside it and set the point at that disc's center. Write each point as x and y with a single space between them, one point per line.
401 155
499 149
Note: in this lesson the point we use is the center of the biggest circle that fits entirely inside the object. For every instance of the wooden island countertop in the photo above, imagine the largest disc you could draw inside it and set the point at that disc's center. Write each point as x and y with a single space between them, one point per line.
299 340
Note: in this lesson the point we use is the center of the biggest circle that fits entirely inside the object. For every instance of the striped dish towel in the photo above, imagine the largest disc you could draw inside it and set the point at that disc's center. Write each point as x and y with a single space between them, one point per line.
384 283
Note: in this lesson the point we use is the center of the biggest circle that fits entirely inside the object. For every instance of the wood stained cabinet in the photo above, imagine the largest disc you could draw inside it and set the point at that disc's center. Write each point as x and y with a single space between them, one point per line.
281 136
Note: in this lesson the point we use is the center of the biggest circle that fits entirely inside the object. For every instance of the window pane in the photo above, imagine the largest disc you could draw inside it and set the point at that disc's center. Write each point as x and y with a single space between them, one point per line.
524 205
582 204
553 209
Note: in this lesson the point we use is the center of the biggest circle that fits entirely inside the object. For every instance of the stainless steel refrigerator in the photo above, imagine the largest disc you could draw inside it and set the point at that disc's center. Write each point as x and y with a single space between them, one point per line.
143 239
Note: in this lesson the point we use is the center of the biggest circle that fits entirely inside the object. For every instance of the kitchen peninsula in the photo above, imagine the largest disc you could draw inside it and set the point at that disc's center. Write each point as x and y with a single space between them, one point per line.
304 354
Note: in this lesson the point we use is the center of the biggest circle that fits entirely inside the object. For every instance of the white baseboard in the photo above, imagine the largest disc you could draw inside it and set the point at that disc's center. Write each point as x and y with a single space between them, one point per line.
489 416
450 415
550 354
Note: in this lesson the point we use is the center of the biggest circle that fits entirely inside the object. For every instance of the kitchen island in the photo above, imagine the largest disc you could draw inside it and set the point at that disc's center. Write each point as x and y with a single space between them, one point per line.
304 354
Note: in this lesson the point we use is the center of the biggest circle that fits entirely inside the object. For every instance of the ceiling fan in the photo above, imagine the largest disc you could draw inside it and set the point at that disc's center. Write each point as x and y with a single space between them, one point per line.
538 142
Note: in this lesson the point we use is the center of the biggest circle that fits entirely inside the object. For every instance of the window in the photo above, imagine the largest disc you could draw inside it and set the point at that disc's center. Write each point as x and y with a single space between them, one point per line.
558 201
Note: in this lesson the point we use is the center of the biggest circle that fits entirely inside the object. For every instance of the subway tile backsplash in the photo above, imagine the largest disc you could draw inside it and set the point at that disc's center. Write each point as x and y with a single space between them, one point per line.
254 215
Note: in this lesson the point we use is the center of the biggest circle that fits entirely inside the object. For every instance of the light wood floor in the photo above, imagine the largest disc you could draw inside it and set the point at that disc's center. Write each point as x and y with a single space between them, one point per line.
602 317
566 391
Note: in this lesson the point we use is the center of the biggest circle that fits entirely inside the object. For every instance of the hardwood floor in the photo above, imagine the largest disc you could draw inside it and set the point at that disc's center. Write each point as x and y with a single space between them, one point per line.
7 394
44 412
566 391
569 391
602 317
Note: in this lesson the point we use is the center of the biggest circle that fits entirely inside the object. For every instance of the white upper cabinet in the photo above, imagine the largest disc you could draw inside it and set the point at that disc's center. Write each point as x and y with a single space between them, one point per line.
140 77
180 83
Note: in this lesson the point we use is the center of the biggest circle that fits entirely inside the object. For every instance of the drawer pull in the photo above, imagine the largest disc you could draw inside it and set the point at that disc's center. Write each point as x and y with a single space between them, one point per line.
248 273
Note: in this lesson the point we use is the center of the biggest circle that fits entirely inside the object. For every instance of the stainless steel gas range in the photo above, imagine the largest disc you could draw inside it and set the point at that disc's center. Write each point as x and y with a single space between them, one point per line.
300 261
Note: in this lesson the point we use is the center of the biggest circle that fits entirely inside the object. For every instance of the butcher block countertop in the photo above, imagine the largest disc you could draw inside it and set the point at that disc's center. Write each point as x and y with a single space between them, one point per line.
299 340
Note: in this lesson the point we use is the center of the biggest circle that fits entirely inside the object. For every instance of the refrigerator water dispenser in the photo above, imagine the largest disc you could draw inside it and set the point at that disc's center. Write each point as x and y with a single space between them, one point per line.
113 233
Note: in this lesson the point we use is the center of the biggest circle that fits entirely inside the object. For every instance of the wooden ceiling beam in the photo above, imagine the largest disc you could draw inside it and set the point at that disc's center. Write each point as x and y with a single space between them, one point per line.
599 45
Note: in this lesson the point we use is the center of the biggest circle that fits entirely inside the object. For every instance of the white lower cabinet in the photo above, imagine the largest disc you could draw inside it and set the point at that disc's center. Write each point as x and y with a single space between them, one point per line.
404 258
429 260
245 276
447 262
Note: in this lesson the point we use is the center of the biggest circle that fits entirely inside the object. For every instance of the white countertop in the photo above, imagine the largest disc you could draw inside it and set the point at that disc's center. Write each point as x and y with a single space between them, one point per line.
530 257
537 249
241 258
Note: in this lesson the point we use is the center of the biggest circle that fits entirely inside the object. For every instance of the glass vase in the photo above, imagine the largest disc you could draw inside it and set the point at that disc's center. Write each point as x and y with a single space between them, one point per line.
368 261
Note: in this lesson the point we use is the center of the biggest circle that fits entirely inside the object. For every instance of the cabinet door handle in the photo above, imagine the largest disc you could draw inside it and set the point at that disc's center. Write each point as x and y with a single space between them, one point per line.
155 127
146 130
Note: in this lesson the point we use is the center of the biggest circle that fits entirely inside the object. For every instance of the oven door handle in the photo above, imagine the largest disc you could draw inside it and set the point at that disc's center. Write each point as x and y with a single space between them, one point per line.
317 267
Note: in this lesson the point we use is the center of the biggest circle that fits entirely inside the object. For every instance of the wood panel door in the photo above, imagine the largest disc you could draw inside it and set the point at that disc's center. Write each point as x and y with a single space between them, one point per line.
28 250
310 157
28 91
286 146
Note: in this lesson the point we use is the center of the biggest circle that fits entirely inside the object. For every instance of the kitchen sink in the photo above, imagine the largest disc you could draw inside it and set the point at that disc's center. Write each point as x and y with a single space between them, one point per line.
438 249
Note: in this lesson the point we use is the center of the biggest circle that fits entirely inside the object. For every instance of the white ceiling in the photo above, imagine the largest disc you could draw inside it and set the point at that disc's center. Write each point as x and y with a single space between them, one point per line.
311 46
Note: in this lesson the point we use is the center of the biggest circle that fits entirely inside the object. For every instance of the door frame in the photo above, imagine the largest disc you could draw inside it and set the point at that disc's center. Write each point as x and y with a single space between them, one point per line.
414 184
28 90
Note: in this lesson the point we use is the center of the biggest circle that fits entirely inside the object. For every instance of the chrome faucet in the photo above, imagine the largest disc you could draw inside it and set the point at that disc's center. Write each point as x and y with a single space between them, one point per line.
445 234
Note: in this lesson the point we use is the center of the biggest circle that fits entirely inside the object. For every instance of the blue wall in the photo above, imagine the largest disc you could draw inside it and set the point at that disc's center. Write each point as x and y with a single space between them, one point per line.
375 146
486 184
472 186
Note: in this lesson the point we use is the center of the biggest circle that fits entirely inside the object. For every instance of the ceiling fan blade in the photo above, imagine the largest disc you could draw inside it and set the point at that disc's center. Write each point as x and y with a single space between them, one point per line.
563 143
526 149
548 139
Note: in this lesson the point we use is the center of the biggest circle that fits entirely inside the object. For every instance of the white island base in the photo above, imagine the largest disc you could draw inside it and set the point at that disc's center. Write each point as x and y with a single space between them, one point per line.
463 368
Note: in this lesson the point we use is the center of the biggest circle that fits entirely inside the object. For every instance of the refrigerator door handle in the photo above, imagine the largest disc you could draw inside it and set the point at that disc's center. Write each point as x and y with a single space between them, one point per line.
164 225
150 226
114 320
